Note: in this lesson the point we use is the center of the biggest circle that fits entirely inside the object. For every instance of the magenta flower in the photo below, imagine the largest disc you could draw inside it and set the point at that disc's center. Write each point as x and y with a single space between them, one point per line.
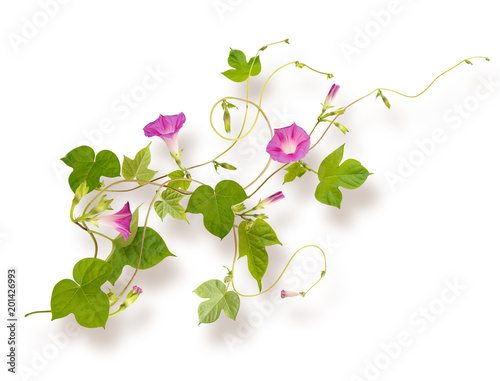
137 290
167 127
330 96
288 294
270 200
289 144
119 221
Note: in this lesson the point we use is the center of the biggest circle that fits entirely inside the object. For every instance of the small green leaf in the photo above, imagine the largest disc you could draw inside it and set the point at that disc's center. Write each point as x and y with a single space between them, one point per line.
138 168
88 167
294 170
154 251
219 300
241 71
332 175
215 205
84 298
181 184
252 243
169 204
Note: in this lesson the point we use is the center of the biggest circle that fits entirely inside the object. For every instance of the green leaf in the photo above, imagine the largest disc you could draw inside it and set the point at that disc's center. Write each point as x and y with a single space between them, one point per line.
181 184
294 170
154 251
134 223
218 217
332 175
88 167
327 192
241 71
219 300
252 243
83 297
138 168
169 204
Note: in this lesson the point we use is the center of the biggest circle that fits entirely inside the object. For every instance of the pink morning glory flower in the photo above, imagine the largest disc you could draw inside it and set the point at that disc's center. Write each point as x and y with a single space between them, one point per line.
167 127
288 294
289 144
330 96
119 221
270 200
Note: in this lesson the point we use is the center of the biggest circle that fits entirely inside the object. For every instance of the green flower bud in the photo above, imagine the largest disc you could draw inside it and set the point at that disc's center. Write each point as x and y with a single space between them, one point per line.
341 127
80 192
238 208
227 121
228 166
101 206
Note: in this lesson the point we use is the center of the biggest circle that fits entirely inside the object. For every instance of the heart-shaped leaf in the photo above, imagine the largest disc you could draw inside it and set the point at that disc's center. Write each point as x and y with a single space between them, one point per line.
83 297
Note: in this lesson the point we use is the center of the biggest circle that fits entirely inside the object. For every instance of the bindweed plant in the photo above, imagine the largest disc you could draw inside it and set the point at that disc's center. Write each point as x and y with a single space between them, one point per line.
225 207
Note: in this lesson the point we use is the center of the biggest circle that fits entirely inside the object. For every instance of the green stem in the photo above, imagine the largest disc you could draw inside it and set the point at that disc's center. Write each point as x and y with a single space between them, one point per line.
38 312
102 235
316 125
329 75
396 92
93 239
271 175
282 273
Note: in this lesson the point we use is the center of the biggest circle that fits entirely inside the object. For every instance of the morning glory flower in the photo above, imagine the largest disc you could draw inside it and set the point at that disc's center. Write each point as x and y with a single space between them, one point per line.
330 96
167 127
289 294
119 221
289 144
270 200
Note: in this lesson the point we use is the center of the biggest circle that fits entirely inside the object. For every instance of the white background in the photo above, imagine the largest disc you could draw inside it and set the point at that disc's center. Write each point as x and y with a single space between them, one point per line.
391 250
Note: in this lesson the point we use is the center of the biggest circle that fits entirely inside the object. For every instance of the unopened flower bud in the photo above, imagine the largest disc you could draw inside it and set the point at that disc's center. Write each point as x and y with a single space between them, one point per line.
270 200
112 296
227 166
289 294
238 208
80 192
101 206
330 96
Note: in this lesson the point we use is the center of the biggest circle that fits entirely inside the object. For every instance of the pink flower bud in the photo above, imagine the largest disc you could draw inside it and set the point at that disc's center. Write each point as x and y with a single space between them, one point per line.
288 294
137 290
270 200
331 96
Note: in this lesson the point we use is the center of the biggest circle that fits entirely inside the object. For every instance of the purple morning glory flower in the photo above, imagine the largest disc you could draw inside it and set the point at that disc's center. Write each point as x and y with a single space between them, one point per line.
270 200
330 96
167 127
119 221
289 144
